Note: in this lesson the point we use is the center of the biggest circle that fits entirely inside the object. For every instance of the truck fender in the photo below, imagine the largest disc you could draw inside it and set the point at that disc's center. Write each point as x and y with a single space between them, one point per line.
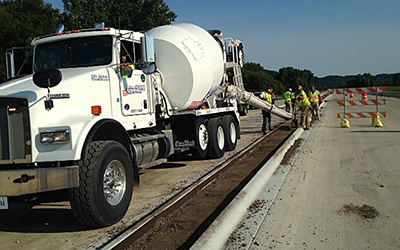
108 129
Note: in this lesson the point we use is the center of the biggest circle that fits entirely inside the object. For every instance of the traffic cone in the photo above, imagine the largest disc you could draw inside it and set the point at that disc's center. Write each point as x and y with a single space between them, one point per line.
376 121
345 123
364 96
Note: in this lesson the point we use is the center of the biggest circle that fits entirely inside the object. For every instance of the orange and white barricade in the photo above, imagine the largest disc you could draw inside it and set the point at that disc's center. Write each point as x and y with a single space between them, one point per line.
376 121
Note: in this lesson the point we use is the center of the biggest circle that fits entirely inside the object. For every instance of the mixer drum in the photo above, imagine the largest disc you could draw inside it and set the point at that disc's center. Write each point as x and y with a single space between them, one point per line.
190 61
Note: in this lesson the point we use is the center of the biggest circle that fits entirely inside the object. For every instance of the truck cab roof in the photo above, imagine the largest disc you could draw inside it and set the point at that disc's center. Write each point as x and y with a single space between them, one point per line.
127 34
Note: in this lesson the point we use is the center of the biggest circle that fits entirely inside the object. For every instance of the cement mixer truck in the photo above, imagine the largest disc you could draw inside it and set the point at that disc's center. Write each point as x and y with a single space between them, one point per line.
103 103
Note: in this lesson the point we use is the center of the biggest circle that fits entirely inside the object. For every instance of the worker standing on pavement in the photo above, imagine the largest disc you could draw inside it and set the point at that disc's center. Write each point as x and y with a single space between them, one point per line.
315 98
287 96
305 107
267 96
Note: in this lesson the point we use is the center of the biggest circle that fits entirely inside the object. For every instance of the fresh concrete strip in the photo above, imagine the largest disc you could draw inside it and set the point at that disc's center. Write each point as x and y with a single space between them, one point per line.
259 190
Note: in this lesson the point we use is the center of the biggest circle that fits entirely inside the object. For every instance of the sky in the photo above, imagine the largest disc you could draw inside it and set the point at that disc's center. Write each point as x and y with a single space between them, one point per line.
327 37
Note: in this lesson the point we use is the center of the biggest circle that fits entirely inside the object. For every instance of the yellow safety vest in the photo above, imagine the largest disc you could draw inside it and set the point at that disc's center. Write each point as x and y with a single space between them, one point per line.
287 96
304 103
303 94
267 98
127 73
314 97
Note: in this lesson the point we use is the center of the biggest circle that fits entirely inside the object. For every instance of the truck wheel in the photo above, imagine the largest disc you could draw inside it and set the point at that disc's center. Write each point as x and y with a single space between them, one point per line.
105 185
202 139
217 138
230 127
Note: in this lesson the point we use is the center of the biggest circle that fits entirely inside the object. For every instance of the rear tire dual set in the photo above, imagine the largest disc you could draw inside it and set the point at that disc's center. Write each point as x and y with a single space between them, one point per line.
215 137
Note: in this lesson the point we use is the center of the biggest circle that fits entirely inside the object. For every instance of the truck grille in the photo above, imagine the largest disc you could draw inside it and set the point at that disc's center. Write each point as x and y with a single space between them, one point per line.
15 144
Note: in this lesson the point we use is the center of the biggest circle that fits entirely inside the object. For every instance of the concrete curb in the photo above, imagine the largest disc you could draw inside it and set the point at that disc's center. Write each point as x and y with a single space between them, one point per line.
220 230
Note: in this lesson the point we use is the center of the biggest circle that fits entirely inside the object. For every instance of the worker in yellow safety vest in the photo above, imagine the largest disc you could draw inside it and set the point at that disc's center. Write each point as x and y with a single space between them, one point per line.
287 97
305 107
126 69
267 96
315 99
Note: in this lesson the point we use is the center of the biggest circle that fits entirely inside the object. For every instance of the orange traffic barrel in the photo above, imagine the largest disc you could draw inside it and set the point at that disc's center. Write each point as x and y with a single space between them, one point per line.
364 96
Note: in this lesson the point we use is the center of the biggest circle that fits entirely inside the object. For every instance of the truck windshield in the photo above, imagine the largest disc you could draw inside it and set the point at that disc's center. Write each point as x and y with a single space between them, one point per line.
73 53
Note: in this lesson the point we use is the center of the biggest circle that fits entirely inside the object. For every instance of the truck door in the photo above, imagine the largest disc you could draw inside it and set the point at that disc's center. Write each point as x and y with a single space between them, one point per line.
134 86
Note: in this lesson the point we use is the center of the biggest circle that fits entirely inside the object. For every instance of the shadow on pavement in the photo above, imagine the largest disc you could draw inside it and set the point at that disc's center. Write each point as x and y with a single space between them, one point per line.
46 219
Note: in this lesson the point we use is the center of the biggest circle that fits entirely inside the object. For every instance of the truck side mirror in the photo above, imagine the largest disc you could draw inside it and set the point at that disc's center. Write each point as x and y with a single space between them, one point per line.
148 54
47 79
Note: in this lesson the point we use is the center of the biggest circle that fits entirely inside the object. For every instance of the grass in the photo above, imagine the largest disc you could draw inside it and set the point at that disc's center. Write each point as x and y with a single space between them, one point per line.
393 88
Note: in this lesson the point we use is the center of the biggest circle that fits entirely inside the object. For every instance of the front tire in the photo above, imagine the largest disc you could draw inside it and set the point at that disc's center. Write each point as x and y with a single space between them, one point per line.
105 185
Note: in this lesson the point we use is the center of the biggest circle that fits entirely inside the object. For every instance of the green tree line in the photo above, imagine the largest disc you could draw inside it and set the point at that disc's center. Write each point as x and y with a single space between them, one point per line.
256 78
23 20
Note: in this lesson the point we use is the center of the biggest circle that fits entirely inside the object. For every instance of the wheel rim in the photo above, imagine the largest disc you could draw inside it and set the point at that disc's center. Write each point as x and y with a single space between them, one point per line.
232 132
114 182
220 137
203 137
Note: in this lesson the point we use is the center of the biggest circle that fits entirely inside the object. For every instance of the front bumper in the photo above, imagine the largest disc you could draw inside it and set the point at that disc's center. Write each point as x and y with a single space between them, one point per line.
29 181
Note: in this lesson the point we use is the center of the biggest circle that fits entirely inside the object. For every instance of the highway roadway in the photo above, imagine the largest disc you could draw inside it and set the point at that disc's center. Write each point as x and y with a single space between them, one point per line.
342 191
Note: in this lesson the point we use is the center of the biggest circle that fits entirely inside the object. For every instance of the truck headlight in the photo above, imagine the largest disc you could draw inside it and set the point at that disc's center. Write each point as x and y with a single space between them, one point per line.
54 137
